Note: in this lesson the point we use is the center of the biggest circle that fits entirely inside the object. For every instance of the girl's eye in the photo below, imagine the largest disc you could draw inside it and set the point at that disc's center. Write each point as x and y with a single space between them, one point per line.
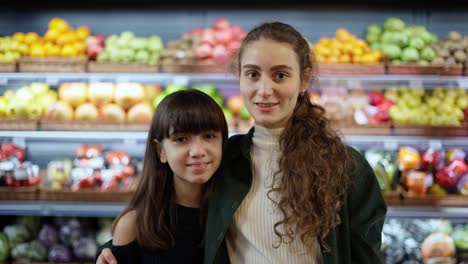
180 139
210 135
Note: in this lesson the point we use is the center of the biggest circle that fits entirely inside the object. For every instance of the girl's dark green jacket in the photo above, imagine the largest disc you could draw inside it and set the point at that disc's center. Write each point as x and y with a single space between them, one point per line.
356 240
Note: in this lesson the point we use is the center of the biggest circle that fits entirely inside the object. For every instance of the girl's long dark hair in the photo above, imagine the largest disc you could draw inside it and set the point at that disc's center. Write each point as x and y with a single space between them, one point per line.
188 111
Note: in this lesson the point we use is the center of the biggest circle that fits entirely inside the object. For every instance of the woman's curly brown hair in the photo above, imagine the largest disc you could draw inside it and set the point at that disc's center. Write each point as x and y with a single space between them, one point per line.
313 174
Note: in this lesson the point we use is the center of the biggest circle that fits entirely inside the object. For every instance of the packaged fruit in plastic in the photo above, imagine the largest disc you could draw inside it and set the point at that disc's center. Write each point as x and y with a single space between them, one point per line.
432 159
449 175
455 153
408 159
417 182
58 174
382 162
462 185
438 245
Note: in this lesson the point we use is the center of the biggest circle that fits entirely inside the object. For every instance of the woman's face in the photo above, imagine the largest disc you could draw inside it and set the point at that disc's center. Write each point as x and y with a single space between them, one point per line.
270 82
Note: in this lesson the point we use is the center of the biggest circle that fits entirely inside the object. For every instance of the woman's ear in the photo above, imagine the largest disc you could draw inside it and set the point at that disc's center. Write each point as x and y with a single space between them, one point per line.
160 151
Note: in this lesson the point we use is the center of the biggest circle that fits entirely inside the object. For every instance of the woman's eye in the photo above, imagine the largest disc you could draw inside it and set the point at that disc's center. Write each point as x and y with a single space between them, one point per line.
251 75
281 76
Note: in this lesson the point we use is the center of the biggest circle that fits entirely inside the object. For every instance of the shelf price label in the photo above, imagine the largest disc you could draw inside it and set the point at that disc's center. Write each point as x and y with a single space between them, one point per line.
52 81
435 144
390 145
180 80
415 84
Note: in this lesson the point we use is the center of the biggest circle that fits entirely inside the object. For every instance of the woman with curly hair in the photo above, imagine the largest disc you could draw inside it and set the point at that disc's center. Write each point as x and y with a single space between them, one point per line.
291 191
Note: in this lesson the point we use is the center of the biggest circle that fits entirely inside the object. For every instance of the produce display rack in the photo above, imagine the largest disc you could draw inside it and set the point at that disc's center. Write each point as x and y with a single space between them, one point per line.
133 136
124 68
52 64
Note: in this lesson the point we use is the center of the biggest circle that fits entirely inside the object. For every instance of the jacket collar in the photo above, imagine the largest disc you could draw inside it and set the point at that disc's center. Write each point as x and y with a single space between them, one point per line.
246 144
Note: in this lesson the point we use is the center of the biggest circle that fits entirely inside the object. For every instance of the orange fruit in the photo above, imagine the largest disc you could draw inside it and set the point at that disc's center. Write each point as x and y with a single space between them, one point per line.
66 38
333 59
37 50
19 36
80 47
31 37
59 24
322 50
320 58
368 58
356 59
343 34
52 35
82 32
68 51
344 58
53 51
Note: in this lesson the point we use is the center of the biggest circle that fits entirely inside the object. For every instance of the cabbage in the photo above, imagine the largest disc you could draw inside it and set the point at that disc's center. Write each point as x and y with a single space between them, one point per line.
48 235
59 253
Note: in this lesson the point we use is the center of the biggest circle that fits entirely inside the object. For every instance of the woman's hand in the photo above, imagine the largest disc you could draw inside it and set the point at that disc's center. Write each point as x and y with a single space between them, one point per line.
106 257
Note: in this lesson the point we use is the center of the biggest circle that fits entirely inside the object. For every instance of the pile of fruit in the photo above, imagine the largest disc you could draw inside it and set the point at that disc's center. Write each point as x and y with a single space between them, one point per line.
29 102
126 47
60 40
92 168
14 170
102 101
424 241
31 239
218 43
435 171
345 47
402 43
452 50
439 107
11 49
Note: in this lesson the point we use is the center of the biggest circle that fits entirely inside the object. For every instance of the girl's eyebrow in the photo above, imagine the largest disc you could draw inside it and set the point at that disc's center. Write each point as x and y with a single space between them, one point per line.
274 68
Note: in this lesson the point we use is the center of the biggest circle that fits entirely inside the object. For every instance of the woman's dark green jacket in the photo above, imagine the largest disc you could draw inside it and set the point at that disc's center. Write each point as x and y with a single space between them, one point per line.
356 240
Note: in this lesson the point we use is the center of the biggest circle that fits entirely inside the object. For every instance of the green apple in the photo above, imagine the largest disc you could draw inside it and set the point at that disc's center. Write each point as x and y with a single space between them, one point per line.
244 113
142 56
171 88
157 100
9 95
3 107
209 89
219 99
462 102
39 89
24 94
35 111
18 108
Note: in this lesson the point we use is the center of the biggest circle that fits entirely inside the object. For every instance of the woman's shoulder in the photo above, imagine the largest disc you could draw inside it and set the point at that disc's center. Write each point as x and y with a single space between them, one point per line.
125 231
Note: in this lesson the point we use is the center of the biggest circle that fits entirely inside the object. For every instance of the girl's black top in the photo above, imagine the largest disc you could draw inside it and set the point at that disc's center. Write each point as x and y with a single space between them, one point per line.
187 249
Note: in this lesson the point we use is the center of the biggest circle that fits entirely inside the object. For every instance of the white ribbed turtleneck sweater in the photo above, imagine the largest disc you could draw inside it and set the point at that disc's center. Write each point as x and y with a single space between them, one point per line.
251 234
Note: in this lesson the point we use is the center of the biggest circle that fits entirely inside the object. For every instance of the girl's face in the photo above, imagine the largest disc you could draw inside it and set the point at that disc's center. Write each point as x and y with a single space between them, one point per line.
270 82
193 158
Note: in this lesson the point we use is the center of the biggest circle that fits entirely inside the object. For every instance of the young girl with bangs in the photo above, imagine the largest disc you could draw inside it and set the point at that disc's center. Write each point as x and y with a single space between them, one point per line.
164 220
291 191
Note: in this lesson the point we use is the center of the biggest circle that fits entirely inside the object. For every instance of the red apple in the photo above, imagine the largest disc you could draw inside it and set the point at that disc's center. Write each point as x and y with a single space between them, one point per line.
101 39
60 111
128 94
197 31
91 41
223 36
208 37
86 112
8 147
113 113
20 154
237 32
382 116
220 54
221 23
235 103
140 113
375 98
100 93
204 51
385 105
233 47
93 51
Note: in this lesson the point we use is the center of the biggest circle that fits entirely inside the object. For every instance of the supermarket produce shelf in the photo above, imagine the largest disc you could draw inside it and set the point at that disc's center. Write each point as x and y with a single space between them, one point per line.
54 77
112 209
55 208
389 140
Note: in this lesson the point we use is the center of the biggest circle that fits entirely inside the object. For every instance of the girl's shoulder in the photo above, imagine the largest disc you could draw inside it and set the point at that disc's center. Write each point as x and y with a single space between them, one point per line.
125 231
